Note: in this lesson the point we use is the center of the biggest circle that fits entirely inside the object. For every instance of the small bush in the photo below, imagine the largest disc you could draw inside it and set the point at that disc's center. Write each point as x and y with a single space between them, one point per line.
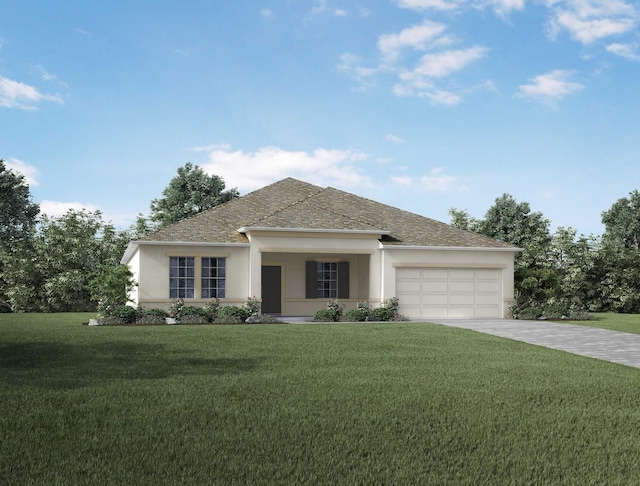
388 311
125 312
528 313
175 307
153 317
240 313
212 308
253 306
191 314
356 315
325 315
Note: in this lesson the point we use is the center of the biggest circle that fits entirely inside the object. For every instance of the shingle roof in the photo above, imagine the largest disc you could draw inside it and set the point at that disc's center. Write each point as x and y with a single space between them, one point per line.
293 204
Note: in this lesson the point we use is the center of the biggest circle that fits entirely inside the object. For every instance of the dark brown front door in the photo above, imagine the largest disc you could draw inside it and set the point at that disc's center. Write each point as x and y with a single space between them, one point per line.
271 289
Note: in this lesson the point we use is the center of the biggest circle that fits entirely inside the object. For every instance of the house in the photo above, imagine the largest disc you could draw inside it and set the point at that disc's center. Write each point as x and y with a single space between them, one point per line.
296 246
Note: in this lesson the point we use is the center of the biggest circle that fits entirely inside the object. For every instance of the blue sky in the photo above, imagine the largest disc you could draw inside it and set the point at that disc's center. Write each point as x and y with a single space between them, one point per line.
421 104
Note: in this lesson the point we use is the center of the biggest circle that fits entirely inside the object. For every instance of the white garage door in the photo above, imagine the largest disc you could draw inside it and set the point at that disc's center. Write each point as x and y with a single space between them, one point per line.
449 292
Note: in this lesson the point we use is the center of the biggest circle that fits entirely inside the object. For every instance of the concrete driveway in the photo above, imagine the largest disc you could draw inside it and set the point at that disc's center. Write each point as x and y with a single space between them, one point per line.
614 346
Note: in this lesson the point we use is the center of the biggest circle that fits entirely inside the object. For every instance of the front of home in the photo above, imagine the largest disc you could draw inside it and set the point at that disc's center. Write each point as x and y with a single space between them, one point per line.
296 246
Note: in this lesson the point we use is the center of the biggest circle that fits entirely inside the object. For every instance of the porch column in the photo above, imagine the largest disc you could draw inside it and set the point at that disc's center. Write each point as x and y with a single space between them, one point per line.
255 272
375 278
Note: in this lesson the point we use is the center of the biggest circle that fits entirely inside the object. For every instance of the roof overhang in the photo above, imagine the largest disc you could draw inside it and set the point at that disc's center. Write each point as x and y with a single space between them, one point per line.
450 248
263 229
134 245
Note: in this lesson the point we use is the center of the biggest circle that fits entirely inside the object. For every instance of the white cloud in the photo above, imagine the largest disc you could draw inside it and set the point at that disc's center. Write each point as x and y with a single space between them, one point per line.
252 170
352 65
393 138
209 148
339 12
56 209
29 171
628 51
437 181
550 87
14 94
504 7
421 80
83 32
417 37
265 13
402 180
588 21
429 4
443 64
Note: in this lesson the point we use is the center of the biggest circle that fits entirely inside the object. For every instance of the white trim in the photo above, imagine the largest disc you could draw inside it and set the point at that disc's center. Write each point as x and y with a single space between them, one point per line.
450 248
248 229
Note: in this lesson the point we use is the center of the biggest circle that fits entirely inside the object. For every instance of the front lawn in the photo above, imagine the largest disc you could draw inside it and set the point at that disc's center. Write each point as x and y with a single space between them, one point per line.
400 403
614 322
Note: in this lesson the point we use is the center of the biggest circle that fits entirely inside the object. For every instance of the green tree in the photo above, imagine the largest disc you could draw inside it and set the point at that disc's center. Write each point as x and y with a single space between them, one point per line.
513 222
619 256
17 222
188 193
57 269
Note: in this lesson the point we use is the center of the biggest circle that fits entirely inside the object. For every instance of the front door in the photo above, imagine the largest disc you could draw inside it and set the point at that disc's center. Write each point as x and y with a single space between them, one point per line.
271 289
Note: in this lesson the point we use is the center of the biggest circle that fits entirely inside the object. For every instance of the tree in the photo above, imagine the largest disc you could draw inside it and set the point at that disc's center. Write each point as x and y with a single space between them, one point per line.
58 270
17 221
17 212
513 222
189 193
619 256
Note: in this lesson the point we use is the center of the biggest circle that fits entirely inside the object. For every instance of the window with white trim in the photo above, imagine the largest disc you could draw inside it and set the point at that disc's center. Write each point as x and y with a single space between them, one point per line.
213 278
182 277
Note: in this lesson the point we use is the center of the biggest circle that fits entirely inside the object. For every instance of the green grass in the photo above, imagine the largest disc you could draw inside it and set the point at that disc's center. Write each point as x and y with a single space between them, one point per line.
349 404
615 322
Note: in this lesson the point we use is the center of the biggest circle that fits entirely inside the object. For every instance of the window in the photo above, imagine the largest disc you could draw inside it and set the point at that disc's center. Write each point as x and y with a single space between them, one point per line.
327 280
182 277
213 278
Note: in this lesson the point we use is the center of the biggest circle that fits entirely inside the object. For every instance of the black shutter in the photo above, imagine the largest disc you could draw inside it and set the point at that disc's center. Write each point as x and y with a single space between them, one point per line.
343 280
311 280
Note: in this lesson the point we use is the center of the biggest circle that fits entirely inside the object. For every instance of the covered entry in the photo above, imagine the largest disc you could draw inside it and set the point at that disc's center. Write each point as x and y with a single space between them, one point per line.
449 292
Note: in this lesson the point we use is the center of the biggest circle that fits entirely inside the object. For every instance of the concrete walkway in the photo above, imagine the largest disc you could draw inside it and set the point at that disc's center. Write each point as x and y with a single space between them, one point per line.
614 346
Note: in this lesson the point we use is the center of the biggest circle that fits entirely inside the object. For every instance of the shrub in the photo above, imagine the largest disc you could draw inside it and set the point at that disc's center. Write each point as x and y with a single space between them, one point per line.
222 319
388 311
325 315
528 313
153 316
212 308
192 314
175 307
355 315
253 306
125 312
240 313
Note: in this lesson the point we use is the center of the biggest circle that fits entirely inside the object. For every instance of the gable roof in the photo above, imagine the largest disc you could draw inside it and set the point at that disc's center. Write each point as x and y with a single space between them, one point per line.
293 204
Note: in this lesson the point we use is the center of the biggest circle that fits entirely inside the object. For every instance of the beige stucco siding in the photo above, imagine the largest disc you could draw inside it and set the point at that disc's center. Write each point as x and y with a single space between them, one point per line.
153 274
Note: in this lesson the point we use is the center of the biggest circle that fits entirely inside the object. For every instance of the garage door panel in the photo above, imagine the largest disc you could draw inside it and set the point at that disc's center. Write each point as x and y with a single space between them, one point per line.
440 299
461 287
408 286
489 287
461 274
435 287
409 273
435 312
435 273
455 299
449 292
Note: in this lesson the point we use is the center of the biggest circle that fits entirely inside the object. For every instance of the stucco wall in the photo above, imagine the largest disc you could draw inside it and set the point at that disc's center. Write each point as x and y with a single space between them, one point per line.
153 276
